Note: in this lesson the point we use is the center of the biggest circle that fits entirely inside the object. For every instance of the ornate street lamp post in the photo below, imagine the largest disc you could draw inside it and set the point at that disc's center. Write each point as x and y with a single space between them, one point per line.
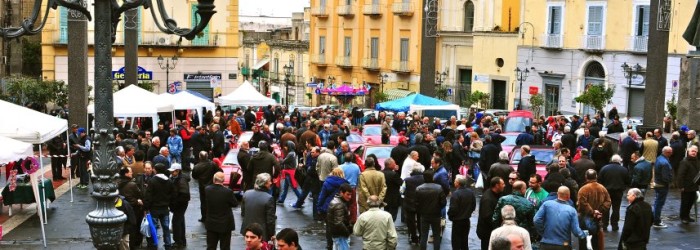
106 222
440 77
521 75
167 67
288 73
383 78
630 72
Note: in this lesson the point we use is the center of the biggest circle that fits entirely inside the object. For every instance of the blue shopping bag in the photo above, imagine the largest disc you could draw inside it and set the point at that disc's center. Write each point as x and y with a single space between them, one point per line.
154 231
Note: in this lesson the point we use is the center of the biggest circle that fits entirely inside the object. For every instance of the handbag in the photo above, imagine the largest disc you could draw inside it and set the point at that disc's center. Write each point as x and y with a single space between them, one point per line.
479 181
145 227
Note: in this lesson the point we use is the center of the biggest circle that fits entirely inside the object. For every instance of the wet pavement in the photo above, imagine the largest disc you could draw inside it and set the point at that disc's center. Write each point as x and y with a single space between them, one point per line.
67 229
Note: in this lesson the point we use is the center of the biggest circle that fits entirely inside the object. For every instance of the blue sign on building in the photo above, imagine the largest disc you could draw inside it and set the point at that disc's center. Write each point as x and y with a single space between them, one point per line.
142 74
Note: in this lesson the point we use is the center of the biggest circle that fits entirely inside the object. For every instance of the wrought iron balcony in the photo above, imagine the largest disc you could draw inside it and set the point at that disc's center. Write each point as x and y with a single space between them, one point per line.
343 61
552 41
593 42
319 11
370 63
372 9
401 66
345 10
402 9
639 43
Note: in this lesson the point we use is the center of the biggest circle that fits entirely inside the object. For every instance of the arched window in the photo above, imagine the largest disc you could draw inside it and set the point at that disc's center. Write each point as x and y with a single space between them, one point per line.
594 75
468 16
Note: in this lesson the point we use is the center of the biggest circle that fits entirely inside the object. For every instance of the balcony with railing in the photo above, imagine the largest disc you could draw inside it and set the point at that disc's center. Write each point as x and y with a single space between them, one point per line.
345 10
372 9
639 44
318 59
401 66
320 11
402 9
593 42
370 64
274 76
552 41
343 61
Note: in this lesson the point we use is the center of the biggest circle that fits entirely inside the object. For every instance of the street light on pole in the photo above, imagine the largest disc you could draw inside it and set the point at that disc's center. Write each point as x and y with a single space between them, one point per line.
383 78
521 75
440 77
288 72
167 66
631 71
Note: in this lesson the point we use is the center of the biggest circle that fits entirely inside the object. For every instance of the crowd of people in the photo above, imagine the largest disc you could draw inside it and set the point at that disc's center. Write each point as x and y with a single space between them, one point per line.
434 162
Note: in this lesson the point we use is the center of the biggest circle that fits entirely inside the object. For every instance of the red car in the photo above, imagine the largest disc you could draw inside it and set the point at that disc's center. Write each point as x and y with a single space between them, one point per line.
230 164
382 152
517 121
543 156
355 140
509 143
372 135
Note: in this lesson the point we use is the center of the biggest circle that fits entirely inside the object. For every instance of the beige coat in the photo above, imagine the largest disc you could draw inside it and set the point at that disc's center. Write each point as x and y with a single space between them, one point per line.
650 147
371 183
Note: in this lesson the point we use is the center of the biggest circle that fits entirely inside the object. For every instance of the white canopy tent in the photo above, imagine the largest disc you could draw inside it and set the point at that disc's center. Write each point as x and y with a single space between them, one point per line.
455 107
186 100
35 128
246 95
134 101
13 150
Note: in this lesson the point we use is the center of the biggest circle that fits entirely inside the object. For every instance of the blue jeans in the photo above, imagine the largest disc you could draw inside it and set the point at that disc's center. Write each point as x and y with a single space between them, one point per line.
286 184
341 243
175 158
659 202
163 219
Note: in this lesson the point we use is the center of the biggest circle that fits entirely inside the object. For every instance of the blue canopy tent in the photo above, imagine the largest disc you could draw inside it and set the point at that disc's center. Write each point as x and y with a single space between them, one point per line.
416 102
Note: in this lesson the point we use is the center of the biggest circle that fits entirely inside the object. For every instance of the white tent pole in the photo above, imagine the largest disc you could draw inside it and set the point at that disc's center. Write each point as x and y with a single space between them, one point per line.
41 217
200 112
43 189
70 171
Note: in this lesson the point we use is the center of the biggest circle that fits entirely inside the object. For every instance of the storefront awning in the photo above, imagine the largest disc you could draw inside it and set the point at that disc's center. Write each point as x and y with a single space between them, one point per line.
261 63
393 94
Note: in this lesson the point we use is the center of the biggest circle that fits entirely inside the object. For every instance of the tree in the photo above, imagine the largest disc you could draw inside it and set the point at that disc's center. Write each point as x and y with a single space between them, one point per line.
596 96
536 102
24 91
380 97
672 107
479 98
441 93
31 58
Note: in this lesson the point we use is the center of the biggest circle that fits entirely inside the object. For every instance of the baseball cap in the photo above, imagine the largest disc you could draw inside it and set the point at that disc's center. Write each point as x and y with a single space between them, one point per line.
175 166
81 130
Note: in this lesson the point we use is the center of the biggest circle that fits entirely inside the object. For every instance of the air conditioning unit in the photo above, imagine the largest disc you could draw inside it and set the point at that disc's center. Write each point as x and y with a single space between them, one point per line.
163 41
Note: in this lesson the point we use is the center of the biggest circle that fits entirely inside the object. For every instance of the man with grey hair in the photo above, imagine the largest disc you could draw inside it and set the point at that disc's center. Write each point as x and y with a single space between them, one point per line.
691 139
326 162
421 147
220 222
501 168
638 220
510 227
393 186
163 157
376 226
689 168
154 149
525 208
203 172
663 175
408 164
462 205
500 243
615 178
408 189
259 207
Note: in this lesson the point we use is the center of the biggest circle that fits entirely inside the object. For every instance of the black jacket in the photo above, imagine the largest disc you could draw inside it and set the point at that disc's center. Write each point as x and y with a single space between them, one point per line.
462 204
152 152
181 192
264 162
601 157
218 141
130 191
158 193
487 205
638 220
200 142
399 154
220 200
581 166
614 177
412 182
338 218
204 172
687 171
424 155
678 153
430 199
393 185
526 167
489 156
569 141
243 161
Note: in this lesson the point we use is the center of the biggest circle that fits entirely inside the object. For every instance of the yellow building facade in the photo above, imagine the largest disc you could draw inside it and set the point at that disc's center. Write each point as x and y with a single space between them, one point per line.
477 49
568 45
355 41
213 54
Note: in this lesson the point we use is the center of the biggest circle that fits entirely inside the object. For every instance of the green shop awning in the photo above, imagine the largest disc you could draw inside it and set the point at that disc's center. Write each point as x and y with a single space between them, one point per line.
393 94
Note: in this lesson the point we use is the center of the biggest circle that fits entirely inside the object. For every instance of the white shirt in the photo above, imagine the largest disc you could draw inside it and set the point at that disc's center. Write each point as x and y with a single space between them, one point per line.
408 166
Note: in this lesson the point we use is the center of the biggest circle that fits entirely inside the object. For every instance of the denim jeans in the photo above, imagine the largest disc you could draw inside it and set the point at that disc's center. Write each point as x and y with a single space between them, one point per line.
83 168
163 219
341 243
175 158
286 184
659 202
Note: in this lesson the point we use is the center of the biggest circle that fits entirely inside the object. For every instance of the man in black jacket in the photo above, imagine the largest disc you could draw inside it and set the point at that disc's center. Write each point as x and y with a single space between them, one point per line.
218 141
616 179
489 156
400 152
430 199
424 154
203 172
157 201
462 205
689 168
393 185
154 149
409 203
200 141
527 165
638 220
487 205
569 139
220 221
179 202
243 160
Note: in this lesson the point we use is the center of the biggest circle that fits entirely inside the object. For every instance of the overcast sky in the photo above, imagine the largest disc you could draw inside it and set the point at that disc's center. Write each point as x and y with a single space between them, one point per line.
272 7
